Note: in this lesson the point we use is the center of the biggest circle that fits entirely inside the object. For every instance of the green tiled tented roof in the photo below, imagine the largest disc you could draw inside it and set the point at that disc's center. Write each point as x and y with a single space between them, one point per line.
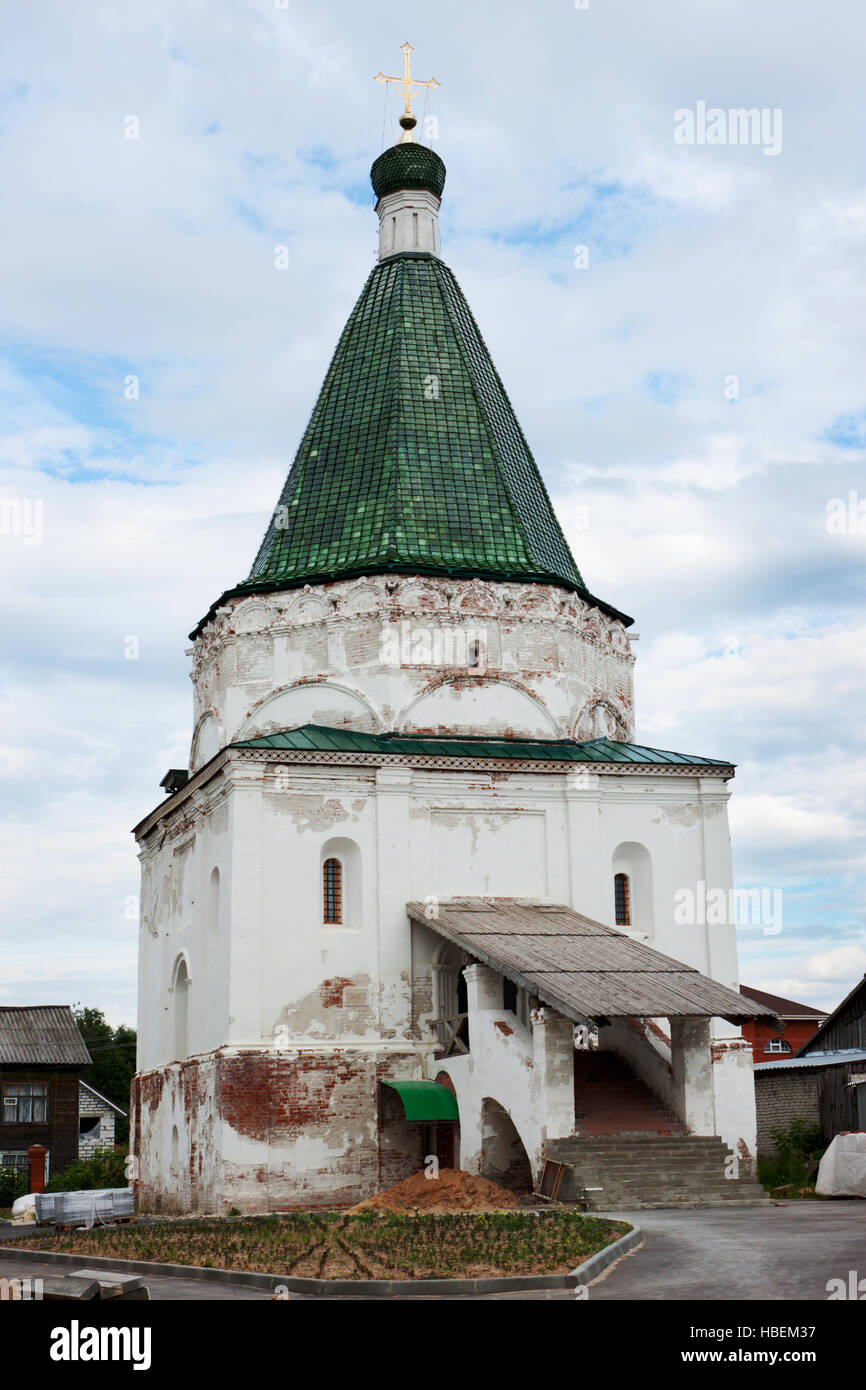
413 460
319 738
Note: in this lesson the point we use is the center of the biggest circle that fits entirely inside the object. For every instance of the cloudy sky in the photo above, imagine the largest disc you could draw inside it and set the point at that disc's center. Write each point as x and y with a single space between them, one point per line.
694 378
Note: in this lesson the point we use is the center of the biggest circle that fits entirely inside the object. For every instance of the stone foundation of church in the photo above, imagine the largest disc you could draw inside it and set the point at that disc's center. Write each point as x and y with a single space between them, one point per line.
261 1129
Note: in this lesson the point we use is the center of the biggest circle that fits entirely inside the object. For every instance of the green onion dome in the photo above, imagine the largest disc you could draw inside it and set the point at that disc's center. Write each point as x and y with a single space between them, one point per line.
407 165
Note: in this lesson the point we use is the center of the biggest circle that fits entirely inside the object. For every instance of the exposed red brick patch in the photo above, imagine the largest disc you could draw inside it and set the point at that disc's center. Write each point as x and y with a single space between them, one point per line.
150 1086
332 991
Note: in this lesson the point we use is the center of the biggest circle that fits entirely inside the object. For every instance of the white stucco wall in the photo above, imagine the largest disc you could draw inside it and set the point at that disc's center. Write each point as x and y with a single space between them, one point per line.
266 827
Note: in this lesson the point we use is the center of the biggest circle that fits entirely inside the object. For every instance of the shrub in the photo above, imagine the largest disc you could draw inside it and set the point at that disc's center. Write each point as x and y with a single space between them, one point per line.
800 1137
797 1148
13 1183
105 1168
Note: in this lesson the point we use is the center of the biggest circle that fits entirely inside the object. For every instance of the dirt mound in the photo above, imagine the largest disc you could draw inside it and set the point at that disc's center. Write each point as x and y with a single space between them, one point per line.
452 1190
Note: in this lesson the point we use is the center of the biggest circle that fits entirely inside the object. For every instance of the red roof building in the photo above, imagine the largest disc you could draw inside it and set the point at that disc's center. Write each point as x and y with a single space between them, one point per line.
768 1044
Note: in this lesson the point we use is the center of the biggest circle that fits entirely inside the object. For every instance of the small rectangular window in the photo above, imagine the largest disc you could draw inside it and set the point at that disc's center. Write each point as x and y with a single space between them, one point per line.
332 892
622 906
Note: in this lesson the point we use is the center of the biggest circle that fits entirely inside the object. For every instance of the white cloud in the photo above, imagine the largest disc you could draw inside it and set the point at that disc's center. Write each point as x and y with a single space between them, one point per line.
837 964
771 821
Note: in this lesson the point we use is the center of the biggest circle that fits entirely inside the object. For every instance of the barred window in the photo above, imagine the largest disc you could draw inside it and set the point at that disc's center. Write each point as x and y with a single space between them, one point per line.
621 900
25 1102
332 889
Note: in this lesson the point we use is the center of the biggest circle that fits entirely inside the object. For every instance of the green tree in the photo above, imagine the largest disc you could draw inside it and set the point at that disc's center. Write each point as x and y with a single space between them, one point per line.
113 1053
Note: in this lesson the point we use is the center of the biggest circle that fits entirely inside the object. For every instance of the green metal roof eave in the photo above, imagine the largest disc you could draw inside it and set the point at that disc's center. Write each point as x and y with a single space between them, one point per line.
425 1100
410 256
318 737
315 741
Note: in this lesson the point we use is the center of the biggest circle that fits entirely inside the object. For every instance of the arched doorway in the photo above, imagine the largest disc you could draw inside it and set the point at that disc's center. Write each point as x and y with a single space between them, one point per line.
503 1157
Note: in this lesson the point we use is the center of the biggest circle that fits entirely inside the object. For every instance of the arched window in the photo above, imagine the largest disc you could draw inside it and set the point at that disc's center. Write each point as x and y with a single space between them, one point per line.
631 871
621 900
777 1045
213 908
340 878
332 892
181 1011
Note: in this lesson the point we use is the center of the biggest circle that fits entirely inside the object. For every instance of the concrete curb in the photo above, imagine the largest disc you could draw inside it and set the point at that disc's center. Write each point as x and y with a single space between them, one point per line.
323 1288
596 1264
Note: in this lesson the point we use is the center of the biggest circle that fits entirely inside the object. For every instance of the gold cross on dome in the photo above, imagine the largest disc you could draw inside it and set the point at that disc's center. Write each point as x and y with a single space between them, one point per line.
409 83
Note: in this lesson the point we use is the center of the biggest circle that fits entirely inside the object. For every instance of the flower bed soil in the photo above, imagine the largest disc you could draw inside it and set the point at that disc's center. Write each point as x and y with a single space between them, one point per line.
370 1244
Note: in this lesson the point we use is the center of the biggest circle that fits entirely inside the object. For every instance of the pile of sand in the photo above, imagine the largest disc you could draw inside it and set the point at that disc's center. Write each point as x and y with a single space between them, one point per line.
452 1190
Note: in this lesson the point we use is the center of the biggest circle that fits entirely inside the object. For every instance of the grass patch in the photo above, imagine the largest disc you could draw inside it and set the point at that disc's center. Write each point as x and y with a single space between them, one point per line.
367 1245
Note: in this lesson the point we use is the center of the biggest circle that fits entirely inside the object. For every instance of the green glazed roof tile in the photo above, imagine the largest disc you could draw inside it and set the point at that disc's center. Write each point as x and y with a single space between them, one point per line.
413 459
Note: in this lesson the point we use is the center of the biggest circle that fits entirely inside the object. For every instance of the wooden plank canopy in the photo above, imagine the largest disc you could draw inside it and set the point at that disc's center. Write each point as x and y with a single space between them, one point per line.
582 968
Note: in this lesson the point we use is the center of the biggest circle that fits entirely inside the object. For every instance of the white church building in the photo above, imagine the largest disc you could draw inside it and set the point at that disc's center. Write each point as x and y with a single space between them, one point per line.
416 891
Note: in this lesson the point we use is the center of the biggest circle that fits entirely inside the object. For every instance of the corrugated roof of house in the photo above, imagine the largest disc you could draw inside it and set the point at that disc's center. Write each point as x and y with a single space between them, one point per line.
41 1035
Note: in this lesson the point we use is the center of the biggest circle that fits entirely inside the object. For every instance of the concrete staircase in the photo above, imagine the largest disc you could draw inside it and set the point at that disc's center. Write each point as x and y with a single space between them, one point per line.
630 1171
631 1151
609 1098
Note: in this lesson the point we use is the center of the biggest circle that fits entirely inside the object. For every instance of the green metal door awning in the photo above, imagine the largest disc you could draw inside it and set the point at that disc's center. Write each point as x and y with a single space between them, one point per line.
425 1100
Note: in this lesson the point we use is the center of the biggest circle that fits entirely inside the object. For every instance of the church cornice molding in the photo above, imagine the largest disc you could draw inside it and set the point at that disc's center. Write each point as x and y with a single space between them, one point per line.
251 757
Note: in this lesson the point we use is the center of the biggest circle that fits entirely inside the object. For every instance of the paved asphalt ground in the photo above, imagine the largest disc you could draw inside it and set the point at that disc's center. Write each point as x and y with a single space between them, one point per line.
781 1253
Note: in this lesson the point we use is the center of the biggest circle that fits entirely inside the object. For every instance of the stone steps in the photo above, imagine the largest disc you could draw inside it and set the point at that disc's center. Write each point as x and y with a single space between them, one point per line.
652 1170
610 1098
